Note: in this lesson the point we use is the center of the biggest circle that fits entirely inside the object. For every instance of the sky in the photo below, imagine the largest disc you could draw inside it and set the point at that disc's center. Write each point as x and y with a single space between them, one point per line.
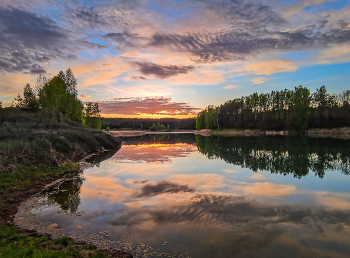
172 58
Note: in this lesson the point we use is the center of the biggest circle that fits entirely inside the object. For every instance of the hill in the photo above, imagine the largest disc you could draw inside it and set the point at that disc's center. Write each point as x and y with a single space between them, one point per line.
47 137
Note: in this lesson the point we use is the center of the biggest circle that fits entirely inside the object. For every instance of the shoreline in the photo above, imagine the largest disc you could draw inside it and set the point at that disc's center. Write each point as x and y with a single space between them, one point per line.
343 132
13 199
144 132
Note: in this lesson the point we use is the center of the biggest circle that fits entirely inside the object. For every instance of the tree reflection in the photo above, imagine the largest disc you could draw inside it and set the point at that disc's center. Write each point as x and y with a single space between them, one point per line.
284 155
68 195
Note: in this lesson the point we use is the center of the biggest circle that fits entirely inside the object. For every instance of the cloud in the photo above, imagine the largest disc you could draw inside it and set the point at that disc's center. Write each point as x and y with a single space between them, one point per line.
258 177
204 76
162 71
270 67
230 171
138 78
152 153
151 106
259 80
338 54
29 41
243 221
230 87
121 40
84 96
298 6
335 200
271 190
162 187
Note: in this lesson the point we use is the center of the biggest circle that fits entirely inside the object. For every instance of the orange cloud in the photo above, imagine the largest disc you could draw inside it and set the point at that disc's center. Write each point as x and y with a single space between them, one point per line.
335 200
230 87
271 190
153 153
84 96
258 177
270 67
259 80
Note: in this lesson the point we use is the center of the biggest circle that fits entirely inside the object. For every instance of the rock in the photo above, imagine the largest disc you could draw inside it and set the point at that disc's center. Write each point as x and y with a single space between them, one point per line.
117 253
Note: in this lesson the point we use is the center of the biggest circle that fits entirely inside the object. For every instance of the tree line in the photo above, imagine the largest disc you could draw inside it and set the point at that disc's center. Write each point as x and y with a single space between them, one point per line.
296 109
297 155
148 123
59 93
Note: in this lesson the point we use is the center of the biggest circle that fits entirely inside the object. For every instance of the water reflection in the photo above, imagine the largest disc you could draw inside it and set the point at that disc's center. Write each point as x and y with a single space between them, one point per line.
160 197
283 155
67 195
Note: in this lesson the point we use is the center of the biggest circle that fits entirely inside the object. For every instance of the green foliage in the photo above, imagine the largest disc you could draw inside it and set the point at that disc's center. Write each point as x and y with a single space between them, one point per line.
63 241
153 127
29 99
200 120
108 129
301 108
208 118
92 116
100 254
14 245
158 126
279 110
58 93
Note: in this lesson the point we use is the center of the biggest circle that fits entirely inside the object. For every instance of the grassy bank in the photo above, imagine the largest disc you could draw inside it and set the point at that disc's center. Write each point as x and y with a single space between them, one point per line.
37 148
47 137
16 243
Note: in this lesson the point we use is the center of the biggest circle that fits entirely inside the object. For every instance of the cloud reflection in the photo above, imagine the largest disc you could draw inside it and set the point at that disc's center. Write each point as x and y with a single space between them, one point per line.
152 153
163 187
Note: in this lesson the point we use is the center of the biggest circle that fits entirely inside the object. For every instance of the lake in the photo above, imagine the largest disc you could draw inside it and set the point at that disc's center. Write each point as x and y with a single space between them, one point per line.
181 195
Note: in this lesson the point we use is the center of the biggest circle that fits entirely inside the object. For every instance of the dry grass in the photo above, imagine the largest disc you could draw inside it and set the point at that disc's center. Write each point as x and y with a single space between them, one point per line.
47 137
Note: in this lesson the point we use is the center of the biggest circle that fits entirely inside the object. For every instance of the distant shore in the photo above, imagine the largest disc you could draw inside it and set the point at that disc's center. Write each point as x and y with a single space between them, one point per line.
141 132
343 132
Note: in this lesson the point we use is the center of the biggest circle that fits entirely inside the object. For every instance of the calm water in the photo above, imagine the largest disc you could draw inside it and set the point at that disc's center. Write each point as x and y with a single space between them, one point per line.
193 196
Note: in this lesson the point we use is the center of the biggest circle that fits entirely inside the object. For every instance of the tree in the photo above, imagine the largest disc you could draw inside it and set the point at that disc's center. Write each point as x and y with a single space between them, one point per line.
56 94
301 108
29 98
92 117
200 120
18 101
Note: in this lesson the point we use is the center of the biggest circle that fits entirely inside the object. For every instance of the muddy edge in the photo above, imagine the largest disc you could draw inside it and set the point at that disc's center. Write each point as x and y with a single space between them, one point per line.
13 199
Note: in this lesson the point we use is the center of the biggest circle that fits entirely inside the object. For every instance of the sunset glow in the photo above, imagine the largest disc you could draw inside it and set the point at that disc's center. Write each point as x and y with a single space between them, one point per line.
172 58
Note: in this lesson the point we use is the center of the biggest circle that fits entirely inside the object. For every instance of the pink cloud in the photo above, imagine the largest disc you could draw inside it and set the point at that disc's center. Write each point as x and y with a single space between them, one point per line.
146 106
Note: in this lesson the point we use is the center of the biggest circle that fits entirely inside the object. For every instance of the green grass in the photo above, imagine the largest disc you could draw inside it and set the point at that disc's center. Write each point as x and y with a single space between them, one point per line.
13 245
